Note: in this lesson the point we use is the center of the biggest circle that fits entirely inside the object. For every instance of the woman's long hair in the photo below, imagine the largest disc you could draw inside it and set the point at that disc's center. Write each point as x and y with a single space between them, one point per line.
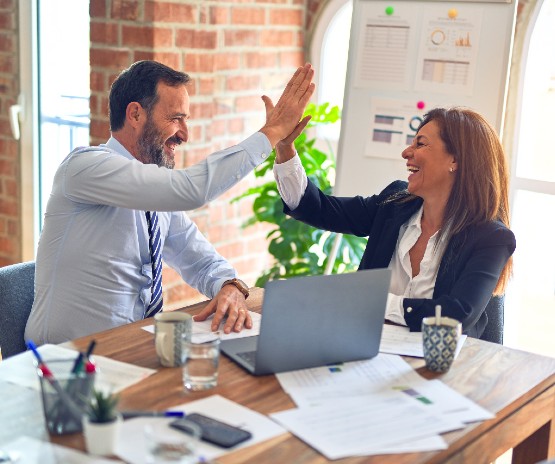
481 189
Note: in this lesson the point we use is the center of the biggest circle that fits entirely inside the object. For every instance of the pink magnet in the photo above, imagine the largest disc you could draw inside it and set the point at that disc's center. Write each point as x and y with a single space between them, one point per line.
421 105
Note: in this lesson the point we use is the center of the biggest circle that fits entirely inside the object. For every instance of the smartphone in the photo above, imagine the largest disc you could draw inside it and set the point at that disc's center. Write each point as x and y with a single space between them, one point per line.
213 431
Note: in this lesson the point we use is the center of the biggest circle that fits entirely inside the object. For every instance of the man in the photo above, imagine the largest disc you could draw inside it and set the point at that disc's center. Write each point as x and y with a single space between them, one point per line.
115 210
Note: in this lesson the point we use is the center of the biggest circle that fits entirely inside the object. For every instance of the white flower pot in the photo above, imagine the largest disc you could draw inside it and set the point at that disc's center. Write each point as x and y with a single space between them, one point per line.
101 438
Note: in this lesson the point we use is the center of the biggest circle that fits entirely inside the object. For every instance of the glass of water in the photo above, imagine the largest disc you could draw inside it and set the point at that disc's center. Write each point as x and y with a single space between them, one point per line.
167 445
202 356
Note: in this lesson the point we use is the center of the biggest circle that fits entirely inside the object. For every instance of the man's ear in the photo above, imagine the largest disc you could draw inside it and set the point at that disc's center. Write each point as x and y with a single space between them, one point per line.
134 113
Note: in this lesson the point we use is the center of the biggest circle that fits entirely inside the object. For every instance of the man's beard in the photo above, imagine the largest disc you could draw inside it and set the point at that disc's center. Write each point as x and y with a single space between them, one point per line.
151 147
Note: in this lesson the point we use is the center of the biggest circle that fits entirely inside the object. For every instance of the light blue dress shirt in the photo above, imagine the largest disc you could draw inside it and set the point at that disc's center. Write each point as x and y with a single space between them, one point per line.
93 269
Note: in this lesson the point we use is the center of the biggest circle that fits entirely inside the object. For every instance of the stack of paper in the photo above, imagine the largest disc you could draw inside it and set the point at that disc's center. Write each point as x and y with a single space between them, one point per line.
377 406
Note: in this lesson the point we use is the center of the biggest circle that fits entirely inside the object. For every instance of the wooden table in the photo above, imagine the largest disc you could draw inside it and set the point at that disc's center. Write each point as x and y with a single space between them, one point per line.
519 387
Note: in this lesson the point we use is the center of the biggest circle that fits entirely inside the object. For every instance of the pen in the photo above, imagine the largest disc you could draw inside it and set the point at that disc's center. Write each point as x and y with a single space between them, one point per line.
74 410
90 349
77 365
131 414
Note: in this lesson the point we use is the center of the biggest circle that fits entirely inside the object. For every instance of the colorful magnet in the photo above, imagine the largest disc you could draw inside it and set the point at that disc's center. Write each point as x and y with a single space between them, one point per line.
421 105
415 122
389 10
452 13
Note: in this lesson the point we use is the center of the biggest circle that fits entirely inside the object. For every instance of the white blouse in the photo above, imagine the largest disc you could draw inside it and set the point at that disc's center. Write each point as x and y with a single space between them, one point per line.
292 182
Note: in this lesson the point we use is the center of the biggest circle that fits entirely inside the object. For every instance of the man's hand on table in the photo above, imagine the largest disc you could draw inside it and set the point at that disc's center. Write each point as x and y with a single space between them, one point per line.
231 302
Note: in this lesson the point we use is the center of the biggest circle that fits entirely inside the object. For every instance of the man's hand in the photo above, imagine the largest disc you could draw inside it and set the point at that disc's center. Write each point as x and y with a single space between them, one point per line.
283 119
285 149
230 301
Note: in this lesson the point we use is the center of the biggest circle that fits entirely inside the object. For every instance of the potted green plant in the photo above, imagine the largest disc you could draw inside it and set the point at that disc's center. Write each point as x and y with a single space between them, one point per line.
299 249
102 423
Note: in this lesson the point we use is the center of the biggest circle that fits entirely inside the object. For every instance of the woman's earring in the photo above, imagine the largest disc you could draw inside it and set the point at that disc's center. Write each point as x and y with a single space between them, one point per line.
451 170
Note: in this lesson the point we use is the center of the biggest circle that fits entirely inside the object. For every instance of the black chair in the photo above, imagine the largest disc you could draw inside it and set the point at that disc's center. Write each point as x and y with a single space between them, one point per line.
17 292
495 311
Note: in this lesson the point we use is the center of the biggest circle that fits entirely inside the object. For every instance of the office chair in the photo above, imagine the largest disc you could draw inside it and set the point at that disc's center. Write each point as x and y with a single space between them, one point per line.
495 311
17 292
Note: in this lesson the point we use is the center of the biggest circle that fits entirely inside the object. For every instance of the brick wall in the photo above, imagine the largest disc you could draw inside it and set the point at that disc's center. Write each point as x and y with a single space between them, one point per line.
235 51
10 193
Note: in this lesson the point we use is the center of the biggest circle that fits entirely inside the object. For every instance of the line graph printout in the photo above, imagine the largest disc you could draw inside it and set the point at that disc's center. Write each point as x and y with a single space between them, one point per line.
383 49
448 49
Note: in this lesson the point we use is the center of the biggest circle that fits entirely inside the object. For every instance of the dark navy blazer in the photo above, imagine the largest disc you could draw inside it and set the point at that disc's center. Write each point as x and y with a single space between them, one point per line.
469 269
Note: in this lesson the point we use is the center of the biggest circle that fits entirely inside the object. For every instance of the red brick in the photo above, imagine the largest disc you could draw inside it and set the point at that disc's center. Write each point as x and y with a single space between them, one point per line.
219 15
226 61
245 15
241 38
98 81
206 86
167 12
217 128
7 64
97 8
191 38
13 229
198 63
104 33
7 42
110 58
125 10
242 82
171 59
144 36
7 20
286 17
7 168
236 126
273 38
202 110
261 60
9 208
11 186
100 129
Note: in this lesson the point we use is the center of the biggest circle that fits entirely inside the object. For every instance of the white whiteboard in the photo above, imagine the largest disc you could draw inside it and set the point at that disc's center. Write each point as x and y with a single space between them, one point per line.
407 54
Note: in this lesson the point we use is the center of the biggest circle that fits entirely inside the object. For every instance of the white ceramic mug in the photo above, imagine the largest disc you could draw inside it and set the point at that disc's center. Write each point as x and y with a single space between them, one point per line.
170 330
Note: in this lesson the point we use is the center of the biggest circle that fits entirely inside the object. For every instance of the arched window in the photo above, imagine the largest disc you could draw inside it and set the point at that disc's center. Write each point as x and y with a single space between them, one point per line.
329 49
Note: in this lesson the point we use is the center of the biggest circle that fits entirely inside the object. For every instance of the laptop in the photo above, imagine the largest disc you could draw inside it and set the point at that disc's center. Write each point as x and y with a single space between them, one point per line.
314 321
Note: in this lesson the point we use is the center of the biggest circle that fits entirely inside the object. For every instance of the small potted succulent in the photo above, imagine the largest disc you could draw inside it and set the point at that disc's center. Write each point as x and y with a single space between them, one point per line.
102 423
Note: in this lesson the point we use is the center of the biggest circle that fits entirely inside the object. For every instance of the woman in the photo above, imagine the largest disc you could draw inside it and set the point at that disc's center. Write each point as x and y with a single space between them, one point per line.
444 233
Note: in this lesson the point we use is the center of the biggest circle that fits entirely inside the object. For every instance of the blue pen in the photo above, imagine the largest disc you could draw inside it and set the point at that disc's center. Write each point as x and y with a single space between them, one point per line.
33 348
131 414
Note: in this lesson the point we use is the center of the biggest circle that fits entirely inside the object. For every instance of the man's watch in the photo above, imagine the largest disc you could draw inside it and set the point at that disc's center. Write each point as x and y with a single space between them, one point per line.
241 286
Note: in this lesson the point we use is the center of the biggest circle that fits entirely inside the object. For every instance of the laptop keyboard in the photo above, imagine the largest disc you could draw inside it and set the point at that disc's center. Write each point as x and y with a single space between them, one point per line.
248 356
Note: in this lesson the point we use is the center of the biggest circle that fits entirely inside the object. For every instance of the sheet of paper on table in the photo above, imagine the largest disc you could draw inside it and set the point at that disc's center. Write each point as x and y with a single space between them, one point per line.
132 450
26 450
400 340
111 375
202 329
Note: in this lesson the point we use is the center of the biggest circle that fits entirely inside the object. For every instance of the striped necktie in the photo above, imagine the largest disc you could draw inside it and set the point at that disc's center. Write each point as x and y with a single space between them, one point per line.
154 242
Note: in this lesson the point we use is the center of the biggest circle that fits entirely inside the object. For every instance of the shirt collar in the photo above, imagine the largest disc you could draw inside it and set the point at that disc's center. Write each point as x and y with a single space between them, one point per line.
114 145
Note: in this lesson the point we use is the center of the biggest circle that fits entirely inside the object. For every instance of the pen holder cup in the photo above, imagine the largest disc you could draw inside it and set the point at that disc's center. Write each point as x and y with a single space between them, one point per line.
65 395
440 342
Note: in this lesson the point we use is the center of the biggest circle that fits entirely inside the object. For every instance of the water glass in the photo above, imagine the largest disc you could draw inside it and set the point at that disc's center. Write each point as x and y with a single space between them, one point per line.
200 370
166 445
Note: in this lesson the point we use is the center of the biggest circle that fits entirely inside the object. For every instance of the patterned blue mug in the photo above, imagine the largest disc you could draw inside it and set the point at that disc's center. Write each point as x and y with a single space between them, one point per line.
440 342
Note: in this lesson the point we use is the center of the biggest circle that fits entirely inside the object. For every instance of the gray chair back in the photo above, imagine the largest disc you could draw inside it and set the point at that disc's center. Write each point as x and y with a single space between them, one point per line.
495 311
17 292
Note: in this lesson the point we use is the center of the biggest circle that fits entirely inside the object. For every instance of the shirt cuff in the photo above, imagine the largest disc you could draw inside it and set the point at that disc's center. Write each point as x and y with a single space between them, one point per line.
394 311
257 146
